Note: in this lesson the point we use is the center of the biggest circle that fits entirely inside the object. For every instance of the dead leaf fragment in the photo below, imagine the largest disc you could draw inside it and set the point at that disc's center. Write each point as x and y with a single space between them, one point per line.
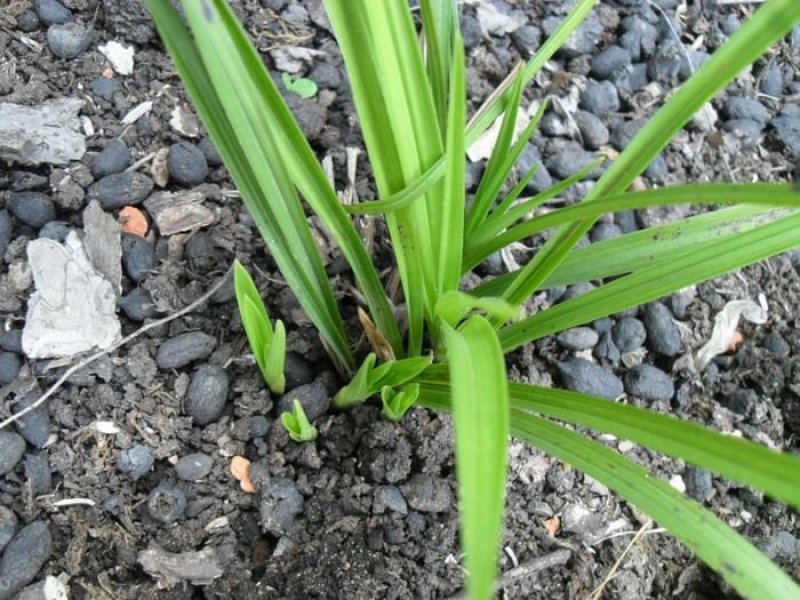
379 344
240 469
133 221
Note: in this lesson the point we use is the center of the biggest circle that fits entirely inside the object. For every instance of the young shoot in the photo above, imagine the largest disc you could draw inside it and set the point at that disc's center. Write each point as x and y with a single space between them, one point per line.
297 424
397 402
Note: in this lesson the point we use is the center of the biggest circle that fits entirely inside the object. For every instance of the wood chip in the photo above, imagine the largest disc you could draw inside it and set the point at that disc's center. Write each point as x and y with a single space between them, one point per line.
240 469
176 212
552 526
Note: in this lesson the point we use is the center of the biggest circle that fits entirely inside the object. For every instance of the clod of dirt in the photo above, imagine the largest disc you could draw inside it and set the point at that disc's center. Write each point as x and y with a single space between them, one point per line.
175 212
166 503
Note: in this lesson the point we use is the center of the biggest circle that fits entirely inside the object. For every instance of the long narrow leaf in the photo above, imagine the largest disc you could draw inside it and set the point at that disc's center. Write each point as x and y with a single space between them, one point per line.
480 412
772 472
740 564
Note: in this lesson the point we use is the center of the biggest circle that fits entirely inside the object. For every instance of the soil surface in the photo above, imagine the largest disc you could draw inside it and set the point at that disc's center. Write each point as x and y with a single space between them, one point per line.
121 487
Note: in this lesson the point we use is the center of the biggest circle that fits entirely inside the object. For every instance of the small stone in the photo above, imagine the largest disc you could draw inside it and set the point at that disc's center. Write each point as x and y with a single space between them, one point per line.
138 305
600 98
553 125
69 40
471 31
783 545
679 304
427 494
194 467
313 397
37 472
593 132
739 107
121 189
135 462
663 335
11 340
578 338
166 503
207 394
6 227
581 375
577 518
55 230
629 334
626 221
297 371
772 81
8 526
12 447
749 132
32 208
184 349
27 21
206 146
657 169
326 75
698 484
604 231
186 163
609 61
389 497
201 252
527 39
565 158
280 504
787 130
607 349
105 88
541 179
624 133
776 345
649 383
581 41
24 557
740 400
51 12
577 289
35 425
115 158
10 364
138 256
250 428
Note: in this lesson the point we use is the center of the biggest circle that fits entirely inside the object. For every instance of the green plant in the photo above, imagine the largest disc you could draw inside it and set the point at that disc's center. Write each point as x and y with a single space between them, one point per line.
305 88
411 106
267 343
297 424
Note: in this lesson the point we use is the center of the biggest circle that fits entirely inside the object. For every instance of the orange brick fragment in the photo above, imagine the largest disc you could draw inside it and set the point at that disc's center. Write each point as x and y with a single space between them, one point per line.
240 469
133 221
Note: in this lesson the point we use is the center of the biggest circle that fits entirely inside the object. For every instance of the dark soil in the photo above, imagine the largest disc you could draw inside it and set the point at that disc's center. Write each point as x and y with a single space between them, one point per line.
368 510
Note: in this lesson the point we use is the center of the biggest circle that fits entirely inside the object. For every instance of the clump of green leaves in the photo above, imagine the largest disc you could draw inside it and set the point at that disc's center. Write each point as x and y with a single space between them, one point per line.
297 424
267 342
412 109
303 87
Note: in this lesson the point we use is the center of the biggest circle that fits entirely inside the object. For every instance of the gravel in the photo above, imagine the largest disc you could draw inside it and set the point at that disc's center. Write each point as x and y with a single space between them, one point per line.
135 462
389 497
607 349
138 256
787 131
776 344
427 494
10 364
8 526
629 334
772 81
527 39
578 338
605 231
740 400
600 98
279 505
37 473
115 158
27 21
11 340
581 41
138 305
187 164
55 230
565 158
698 484
297 371
121 189
313 397
609 61
584 376
105 88
166 503
184 349
663 335
35 425
12 447
649 383
6 226
194 467
32 208
69 40
51 12
739 107
24 557
593 131
207 395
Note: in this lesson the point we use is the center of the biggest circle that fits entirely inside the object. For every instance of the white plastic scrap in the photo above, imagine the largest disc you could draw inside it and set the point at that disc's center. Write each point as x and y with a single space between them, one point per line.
184 122
73 309
137 112
120 57
482 148
725 324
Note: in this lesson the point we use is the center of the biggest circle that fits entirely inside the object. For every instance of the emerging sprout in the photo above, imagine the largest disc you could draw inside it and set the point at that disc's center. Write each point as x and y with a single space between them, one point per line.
297 424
